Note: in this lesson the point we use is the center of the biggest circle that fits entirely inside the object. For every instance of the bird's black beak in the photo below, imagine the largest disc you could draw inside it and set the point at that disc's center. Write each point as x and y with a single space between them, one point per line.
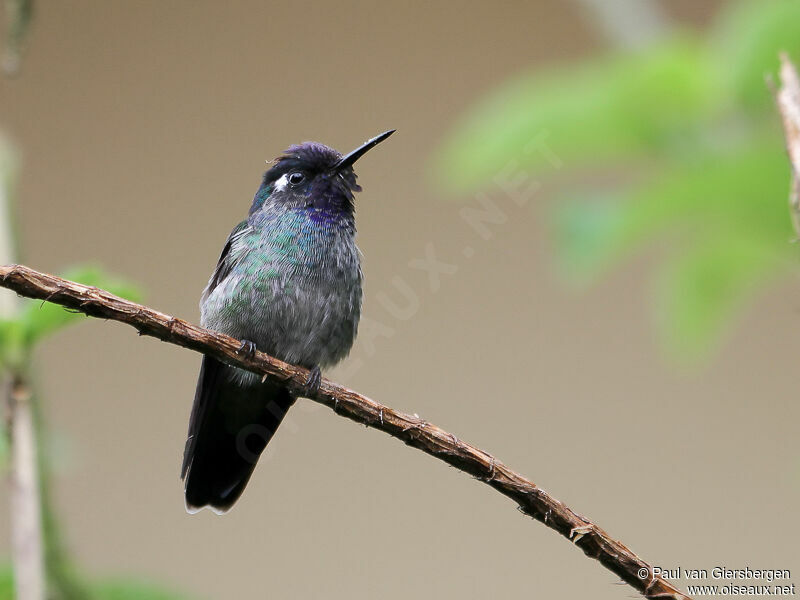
348 160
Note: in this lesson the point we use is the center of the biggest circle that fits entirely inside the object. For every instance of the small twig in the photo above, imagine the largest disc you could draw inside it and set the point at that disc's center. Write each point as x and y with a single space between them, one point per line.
788 100
411 429
27 551
26 524
18 19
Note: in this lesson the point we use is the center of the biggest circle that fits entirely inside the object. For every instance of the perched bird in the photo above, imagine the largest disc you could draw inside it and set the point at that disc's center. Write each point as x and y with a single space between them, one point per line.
288 283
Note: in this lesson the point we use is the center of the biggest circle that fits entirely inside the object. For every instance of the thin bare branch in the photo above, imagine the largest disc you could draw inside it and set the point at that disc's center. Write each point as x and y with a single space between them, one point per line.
27 552
412 430
788 99
26 526
18 20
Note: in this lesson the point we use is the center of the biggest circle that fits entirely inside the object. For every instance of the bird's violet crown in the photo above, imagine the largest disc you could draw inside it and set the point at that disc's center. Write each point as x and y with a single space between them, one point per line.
313 159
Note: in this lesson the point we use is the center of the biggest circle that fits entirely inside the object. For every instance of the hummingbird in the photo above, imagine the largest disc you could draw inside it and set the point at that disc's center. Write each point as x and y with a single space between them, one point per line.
288 283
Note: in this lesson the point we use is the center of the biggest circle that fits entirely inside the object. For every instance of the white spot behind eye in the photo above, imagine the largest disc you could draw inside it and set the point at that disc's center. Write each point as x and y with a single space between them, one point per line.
281 184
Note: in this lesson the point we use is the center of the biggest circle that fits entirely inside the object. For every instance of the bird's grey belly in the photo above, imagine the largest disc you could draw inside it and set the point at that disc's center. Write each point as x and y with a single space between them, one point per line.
301 320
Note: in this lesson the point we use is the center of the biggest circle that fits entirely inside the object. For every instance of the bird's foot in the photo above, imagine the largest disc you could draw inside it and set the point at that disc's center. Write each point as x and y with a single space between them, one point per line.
247 349
314 381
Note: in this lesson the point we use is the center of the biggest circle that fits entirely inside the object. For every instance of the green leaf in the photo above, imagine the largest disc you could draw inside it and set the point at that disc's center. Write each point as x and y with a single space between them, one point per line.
590 235
42 319
747 40
703 289
743 188
728 209
612 107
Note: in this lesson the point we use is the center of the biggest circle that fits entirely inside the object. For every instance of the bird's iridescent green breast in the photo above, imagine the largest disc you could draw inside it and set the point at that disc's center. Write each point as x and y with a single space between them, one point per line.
294 287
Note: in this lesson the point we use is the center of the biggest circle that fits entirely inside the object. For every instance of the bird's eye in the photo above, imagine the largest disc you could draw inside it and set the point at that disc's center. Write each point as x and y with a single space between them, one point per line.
296 178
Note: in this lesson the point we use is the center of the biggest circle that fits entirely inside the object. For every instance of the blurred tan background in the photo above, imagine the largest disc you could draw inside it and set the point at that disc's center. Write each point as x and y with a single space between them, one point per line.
144 127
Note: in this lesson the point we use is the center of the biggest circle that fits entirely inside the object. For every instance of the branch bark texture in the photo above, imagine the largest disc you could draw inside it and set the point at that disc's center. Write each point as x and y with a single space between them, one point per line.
410 429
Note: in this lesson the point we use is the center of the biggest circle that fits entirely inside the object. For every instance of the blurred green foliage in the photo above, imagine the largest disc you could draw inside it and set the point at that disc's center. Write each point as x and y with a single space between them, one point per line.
605 109
689 130
39 320
109 589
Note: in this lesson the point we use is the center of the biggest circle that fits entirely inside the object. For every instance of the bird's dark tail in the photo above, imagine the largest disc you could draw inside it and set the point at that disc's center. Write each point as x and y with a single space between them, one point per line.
230 426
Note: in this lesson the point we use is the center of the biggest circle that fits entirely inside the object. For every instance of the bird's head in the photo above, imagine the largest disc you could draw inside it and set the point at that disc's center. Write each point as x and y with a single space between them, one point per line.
313 176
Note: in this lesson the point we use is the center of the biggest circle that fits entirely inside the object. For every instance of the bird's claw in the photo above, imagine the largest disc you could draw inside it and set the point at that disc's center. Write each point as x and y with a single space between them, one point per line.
314 381
247 349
